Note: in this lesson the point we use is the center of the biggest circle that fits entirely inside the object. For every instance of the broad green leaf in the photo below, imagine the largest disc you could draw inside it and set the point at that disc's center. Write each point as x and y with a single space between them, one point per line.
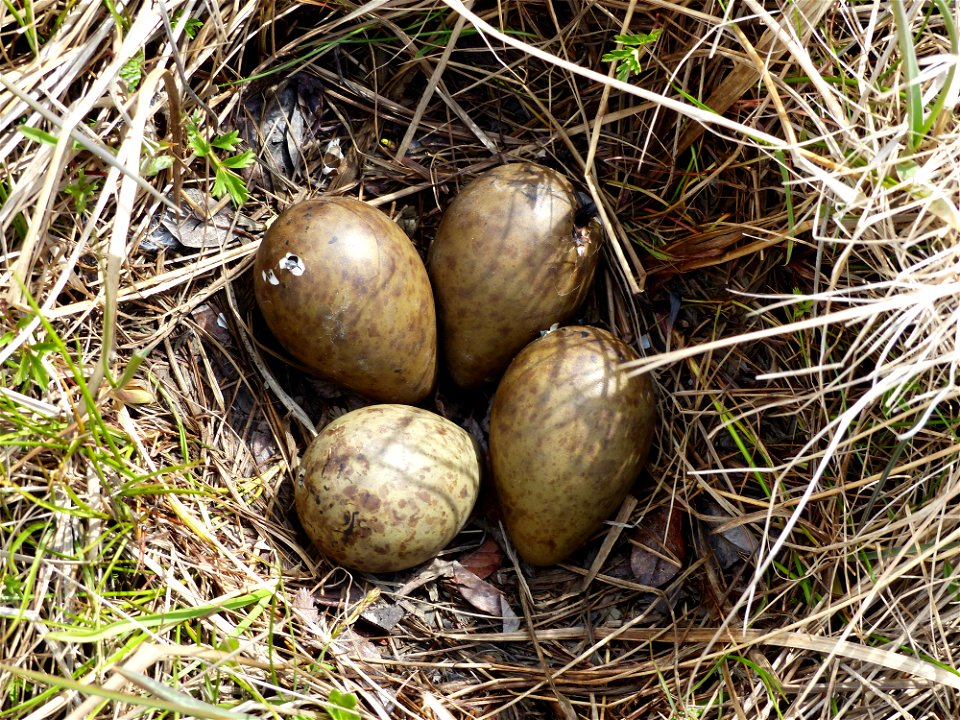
341 706
158 163
229 183
132 71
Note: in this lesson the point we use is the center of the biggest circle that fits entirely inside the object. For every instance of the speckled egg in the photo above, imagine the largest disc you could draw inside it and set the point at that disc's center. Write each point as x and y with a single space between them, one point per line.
569 434
387 487
343 290
507 262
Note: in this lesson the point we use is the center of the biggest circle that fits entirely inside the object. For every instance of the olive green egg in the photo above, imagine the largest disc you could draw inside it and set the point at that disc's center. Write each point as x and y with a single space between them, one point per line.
343 290
387 487
507 262
570 432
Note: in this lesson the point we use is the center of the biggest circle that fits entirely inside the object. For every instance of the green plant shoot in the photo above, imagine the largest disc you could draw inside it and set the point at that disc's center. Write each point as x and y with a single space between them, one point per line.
628 56
132 71
191 26
81 190
341 706
227 181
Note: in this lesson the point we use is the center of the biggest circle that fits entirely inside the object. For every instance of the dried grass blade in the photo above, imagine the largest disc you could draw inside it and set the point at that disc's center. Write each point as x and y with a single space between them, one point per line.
739 640
669 103
140 30
799 52
432 83
743 76
129 155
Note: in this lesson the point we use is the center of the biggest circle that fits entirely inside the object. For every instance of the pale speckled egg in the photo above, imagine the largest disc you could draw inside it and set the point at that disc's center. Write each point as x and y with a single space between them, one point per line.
387 487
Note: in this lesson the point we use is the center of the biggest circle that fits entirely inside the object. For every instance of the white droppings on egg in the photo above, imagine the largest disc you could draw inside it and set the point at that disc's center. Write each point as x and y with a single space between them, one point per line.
293 264
269 277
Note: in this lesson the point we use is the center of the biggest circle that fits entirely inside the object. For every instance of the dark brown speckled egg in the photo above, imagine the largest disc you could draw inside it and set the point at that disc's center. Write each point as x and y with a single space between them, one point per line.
507 262
344 291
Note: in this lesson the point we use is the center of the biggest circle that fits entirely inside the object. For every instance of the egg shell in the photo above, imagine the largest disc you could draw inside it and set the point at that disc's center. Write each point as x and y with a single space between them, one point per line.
507 263
569 434
344 291
387 487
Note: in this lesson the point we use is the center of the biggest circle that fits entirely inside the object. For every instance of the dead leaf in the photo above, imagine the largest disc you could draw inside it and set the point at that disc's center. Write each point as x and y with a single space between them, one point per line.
282 124
355 645
213 323
731 543
303 603
659 548
194 224
511 621
135 392
332 157
479 593
436 569
383 616
485 597
485 560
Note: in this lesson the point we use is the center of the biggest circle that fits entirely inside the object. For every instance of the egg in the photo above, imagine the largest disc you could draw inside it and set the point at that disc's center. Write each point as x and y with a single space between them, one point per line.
387 487
344 291
507 261
570 432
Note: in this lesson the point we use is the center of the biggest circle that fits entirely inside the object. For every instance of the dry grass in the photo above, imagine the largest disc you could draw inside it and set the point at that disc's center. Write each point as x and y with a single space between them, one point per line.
782 222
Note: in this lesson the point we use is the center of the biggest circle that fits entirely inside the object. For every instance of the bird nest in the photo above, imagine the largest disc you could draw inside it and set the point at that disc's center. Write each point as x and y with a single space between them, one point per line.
777 187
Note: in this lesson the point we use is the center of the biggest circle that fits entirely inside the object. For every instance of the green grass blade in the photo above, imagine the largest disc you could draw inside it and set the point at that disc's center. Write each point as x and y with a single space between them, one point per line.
170 700
951 26
911 72
788 197
122 627
183 703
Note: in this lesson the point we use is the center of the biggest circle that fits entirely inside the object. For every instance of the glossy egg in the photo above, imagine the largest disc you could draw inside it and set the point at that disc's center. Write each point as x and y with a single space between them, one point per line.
507 262
569 434
343 290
